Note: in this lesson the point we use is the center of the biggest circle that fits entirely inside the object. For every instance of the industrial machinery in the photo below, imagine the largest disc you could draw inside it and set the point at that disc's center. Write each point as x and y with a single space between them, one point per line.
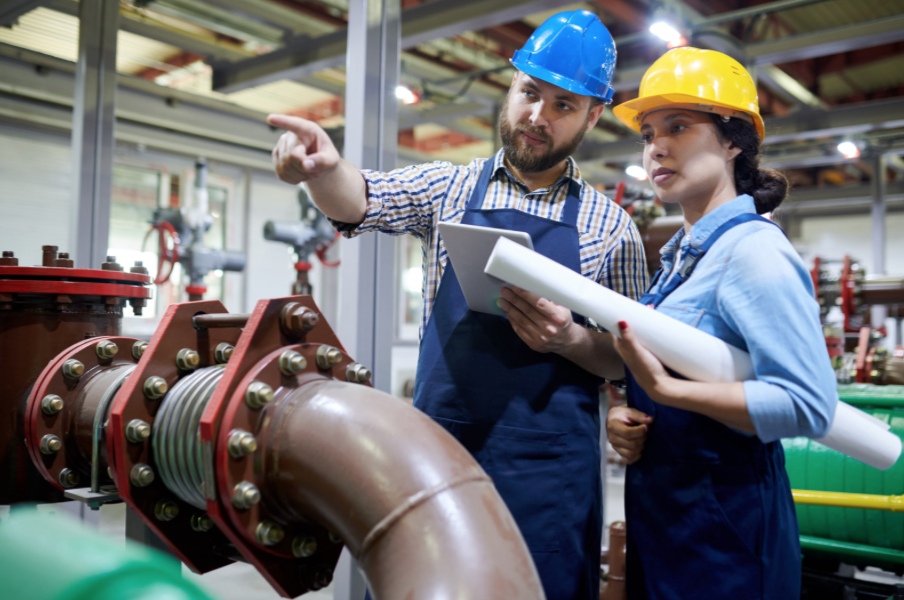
313 234
186 228
248 437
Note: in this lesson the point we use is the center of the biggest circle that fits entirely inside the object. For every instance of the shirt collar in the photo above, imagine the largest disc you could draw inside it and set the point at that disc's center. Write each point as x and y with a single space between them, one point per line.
705 227
571 170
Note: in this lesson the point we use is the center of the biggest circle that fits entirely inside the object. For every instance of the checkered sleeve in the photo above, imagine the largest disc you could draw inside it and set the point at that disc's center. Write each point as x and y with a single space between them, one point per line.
625 264
402 201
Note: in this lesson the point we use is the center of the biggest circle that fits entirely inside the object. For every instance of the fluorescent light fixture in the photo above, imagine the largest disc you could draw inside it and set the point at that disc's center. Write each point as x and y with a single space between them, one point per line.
406 95
849 150
636 172
665 32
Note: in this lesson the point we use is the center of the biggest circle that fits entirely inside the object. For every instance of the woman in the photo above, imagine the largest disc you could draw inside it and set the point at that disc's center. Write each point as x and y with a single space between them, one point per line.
708 503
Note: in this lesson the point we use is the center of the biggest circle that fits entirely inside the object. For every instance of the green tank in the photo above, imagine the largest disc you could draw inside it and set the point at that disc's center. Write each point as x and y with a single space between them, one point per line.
856 536
56 558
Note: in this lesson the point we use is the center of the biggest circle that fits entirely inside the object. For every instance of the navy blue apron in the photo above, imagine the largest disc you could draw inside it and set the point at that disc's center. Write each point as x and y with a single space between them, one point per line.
530 419
709 509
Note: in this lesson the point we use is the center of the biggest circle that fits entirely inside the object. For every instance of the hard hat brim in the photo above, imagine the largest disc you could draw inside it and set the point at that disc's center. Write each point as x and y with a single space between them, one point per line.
630 113
559 81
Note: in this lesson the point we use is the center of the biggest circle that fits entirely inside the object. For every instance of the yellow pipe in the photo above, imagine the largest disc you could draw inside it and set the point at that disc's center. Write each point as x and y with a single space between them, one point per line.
892 503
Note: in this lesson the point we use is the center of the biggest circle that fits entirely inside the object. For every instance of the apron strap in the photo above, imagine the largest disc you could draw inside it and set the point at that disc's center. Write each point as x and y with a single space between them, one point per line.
693 255
478 194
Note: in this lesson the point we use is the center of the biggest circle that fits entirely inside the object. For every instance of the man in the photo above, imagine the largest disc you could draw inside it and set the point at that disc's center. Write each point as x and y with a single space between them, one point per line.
521 393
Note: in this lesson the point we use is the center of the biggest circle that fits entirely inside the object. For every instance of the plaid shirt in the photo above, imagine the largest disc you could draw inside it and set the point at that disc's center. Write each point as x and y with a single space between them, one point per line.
412 200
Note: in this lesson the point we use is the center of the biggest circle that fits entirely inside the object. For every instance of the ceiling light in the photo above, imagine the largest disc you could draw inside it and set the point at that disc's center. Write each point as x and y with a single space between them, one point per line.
407 95
666 32
849 150
636 172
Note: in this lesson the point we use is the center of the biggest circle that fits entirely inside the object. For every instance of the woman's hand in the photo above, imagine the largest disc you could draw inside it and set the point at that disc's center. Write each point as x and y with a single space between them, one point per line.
627 430
645 368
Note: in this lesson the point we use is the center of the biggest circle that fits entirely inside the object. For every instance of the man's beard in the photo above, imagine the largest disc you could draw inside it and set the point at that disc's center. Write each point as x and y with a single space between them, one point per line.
520 155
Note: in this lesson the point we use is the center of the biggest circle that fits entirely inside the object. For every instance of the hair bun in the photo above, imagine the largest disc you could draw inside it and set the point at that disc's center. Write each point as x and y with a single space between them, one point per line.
770 189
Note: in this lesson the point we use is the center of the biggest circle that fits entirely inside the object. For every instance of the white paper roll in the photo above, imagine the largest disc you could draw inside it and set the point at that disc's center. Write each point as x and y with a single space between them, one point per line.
686 350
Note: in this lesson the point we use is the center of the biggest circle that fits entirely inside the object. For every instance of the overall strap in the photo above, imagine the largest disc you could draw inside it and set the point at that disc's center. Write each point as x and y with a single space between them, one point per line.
572 204
475 202
693 255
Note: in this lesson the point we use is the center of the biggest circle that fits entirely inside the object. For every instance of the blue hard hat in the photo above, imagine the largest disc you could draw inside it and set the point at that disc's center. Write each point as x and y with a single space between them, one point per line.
572 50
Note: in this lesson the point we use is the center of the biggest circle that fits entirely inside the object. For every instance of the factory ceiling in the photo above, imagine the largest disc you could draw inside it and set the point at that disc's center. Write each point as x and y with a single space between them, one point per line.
828 70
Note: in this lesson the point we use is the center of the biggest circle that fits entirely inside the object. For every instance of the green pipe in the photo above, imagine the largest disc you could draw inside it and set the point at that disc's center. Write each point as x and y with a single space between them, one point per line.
848 549
865 394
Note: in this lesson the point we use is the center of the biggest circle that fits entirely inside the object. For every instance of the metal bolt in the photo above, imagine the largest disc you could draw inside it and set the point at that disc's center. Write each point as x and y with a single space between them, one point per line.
223 352
315 578
259 394
155 387
298 319
9 259
68 478
357 373
291 363
245 495
137 431
51 444
51 404
187 359
335 538
106 349
139 268
241 444
201 522
73 369
8 254
111 264
269 533
328 357
166 510
138 349
142 475
304 546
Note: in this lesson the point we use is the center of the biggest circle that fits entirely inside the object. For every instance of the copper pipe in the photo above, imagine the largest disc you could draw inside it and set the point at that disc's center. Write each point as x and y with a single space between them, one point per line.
415 509
226 320
882 290
615 585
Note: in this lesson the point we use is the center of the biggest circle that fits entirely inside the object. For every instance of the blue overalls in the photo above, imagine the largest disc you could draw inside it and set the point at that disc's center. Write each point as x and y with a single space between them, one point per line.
709 509
530 419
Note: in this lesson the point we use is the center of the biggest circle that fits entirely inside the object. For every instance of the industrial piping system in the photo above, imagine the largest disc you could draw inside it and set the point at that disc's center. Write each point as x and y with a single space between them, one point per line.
257 437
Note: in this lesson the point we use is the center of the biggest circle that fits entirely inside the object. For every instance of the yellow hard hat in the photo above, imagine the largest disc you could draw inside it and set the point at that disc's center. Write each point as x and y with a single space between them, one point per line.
694 79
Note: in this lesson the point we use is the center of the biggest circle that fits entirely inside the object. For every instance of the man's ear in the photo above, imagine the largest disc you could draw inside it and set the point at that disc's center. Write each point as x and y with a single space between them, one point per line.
595 113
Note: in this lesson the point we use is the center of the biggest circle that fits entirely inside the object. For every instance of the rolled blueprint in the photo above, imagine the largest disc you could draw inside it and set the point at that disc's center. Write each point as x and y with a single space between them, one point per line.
686 350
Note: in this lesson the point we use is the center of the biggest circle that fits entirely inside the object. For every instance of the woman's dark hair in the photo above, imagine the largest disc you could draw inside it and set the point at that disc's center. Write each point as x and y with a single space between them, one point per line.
767 186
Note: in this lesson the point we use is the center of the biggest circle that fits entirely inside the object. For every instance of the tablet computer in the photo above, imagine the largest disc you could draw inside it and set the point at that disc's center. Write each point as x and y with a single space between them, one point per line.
469 248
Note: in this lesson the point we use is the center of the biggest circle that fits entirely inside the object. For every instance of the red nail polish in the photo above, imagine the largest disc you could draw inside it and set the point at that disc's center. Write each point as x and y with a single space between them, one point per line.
622 325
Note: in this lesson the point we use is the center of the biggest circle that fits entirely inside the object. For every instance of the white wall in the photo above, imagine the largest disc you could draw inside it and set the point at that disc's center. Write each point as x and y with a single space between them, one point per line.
35 182
831 238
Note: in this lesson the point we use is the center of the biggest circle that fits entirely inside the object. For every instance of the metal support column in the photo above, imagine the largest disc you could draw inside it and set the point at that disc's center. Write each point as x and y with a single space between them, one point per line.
93 119
371 137
878 164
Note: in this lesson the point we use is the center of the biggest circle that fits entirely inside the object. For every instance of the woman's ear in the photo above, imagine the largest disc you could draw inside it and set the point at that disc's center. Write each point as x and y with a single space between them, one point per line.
733 151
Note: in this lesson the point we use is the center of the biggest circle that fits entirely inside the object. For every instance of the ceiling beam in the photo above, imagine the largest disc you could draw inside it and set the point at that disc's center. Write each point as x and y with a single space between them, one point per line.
173 37
11 10
420 24
278 15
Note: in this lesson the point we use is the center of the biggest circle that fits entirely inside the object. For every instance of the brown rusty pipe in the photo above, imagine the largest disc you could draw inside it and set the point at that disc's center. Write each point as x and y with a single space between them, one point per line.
615 585
415 509
226 320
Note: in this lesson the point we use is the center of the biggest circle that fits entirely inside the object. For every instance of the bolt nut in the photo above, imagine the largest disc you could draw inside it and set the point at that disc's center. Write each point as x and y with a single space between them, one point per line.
304 546
142 475
223 353
137 431
201 522
187 359
139 268
241 444
316 578
138 349
357 373
269 533
328 357
51 444
291 363
106 349
73 369
155 387
259 394
68 478
245 495
335 538
298 319
51 404
166 510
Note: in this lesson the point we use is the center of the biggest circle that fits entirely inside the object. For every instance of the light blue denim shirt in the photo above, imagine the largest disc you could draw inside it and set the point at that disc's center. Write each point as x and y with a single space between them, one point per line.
752 290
